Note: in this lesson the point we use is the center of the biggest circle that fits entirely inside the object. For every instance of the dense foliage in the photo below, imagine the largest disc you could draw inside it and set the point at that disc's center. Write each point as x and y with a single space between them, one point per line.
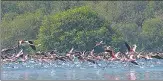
80 28
62 25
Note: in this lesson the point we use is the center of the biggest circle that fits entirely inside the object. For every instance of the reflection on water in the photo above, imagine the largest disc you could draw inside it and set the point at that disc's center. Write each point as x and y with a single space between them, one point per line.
115 71
132 75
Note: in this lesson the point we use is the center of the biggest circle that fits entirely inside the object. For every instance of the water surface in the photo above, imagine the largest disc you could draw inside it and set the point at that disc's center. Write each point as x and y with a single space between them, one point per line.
147 70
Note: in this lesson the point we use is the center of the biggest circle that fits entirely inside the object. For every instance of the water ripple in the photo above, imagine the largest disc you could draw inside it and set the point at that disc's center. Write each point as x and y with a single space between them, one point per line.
31 70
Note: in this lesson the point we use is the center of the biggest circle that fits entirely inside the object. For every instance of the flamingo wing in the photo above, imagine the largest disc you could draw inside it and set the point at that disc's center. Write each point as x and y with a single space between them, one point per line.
33 47
110 51
134 62
31 42
128 46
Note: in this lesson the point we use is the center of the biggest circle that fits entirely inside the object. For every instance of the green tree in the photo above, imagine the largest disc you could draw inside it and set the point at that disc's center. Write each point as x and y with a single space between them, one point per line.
152 34
23 26
80 28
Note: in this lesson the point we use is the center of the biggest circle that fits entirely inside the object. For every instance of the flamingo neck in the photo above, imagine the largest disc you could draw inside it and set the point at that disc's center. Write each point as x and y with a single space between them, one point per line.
133 49
113 54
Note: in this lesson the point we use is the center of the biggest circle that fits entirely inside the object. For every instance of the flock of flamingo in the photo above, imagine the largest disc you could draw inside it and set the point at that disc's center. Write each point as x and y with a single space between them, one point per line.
107 55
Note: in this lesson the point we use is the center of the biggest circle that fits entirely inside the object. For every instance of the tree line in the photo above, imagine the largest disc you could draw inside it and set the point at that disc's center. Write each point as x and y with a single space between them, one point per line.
62 25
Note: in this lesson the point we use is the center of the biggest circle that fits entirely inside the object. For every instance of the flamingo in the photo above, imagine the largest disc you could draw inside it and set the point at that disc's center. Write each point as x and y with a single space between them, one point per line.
111 51
131 49
24 58
157 56
99 43
69 56
30 43
5 50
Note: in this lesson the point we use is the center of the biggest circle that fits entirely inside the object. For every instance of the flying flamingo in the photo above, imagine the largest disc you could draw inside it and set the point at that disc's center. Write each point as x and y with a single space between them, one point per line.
24 43
131 52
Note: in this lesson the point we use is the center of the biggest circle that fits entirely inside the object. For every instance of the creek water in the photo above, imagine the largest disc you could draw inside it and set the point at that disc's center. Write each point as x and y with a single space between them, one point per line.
116 70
